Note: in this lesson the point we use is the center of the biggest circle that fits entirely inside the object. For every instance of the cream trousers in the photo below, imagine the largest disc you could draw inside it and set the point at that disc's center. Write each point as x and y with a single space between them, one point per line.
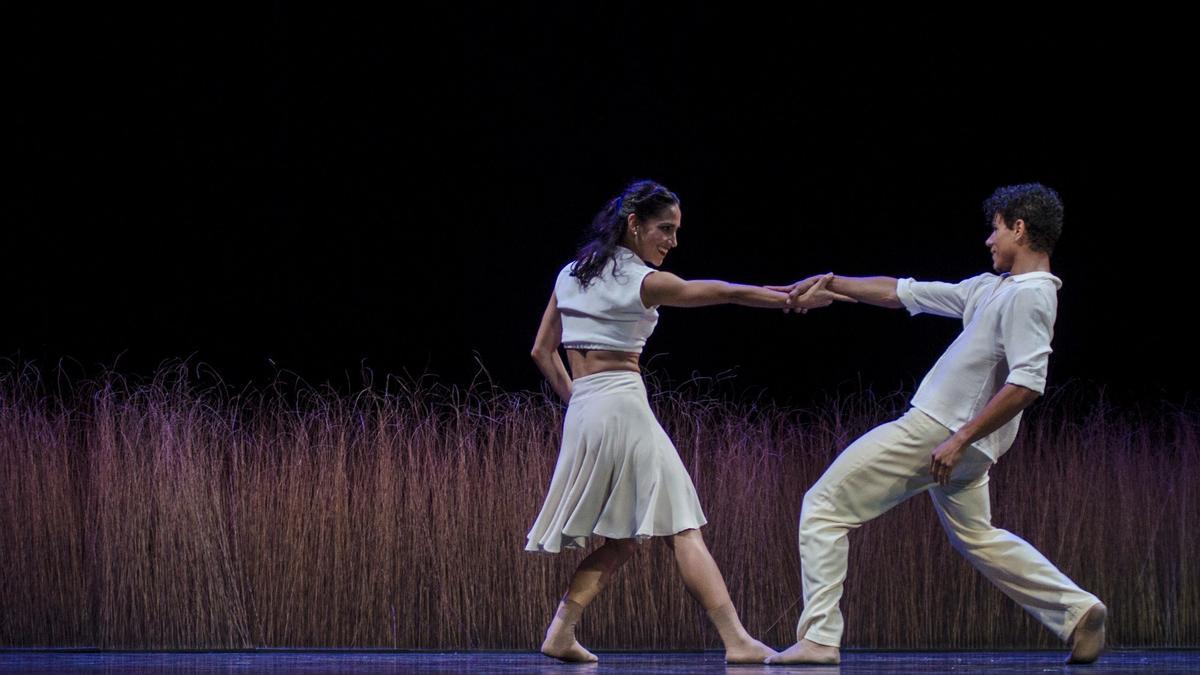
883 468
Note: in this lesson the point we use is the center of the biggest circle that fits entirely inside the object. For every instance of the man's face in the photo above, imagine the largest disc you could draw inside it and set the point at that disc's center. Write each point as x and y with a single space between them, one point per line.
1003 243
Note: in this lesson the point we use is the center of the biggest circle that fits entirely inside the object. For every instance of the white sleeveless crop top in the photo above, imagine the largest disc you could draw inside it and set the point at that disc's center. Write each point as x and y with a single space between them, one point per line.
609 313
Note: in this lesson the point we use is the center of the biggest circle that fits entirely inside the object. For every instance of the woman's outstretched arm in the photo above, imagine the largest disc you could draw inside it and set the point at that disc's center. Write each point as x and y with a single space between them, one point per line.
664 288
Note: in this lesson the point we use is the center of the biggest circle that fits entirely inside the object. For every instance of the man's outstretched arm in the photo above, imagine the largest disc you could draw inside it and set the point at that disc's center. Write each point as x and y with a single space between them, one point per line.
878 291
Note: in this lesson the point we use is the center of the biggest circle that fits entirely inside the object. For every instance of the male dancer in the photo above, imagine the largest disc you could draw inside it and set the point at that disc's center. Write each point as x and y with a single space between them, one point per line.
963 417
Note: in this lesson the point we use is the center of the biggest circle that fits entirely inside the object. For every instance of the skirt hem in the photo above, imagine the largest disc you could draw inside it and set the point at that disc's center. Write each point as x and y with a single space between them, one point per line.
570 541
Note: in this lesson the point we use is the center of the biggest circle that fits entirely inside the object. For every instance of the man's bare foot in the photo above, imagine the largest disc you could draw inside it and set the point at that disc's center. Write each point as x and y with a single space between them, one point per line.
1087 640
750 651
807 651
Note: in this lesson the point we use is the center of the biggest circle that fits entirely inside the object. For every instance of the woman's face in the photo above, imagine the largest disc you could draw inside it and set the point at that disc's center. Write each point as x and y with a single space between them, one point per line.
653 238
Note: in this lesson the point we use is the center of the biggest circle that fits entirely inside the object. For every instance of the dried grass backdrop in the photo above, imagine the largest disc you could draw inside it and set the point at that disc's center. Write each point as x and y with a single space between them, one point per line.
169 513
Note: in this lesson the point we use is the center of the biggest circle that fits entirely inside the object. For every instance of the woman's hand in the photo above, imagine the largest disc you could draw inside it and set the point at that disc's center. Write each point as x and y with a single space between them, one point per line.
813 294
545 351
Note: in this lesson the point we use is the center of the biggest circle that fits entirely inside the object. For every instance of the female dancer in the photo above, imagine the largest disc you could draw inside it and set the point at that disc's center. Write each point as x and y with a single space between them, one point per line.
618 474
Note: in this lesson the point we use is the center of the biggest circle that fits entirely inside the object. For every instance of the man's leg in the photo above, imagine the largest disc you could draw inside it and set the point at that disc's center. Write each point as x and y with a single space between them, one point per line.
884 467
1019 569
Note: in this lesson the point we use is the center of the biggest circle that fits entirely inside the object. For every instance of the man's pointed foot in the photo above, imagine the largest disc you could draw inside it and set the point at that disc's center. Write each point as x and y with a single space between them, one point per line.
1087 640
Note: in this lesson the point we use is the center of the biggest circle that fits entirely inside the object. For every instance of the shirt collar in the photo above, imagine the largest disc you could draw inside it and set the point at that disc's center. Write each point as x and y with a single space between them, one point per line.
1030 276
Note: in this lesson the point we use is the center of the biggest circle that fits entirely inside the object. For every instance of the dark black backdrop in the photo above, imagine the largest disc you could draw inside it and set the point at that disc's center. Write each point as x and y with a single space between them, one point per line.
318 188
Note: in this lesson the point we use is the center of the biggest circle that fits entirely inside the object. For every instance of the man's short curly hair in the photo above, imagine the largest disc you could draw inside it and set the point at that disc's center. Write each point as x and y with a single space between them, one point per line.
1034 203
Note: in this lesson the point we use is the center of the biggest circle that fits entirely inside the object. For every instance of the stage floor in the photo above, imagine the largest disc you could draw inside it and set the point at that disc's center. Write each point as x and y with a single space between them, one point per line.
292 661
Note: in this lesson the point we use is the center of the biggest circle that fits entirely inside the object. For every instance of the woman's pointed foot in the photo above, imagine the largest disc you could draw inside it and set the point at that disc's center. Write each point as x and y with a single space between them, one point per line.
750 651
560 642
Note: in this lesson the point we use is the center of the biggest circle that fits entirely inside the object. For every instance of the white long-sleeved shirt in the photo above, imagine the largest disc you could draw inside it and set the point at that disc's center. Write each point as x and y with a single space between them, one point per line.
1008 322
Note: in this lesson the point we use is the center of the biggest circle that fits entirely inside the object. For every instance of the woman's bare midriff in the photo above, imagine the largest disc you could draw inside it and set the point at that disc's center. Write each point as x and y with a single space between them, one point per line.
592 361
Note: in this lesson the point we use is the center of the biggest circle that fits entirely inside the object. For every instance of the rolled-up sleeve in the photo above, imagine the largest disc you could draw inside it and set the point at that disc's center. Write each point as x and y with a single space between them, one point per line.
1025 333
937 297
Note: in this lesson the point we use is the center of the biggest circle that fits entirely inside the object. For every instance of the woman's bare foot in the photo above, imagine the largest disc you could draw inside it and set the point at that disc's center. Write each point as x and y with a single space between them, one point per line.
560 642
749 651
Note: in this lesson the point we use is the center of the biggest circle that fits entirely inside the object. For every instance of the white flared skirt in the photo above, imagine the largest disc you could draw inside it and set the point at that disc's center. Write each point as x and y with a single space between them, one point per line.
618 474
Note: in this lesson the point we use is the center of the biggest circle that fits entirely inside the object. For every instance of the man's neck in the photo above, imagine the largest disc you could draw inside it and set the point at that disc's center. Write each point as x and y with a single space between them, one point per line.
1030 261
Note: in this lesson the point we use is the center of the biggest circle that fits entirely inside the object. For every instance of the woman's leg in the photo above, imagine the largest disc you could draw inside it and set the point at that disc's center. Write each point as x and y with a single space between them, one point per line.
704 581
590 577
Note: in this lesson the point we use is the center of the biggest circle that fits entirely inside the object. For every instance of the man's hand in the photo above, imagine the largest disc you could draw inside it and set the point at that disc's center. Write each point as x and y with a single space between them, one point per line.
811 293
945 457
794 290
817 295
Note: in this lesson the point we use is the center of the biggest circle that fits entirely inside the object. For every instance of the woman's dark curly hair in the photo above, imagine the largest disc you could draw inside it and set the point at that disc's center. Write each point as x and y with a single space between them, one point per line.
645 199
1036 204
